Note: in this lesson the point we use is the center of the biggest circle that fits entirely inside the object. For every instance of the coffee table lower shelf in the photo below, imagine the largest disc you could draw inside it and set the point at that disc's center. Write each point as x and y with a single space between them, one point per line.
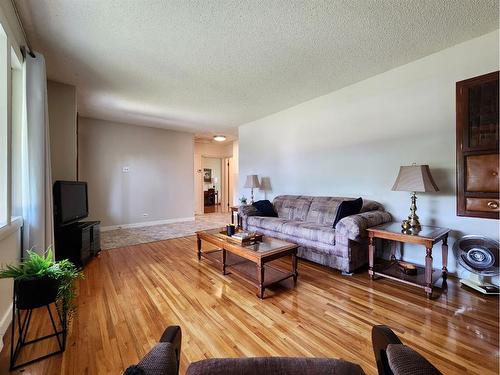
247 270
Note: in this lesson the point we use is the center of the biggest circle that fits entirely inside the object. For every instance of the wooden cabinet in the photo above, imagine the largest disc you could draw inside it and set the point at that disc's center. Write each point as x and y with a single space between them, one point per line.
477 147
78 242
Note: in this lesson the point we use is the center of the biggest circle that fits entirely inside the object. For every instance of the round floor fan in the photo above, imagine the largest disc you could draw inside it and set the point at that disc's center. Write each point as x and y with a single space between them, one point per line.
479 256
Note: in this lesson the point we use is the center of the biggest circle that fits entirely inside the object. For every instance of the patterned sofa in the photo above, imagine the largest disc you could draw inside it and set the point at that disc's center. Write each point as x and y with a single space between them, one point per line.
308 222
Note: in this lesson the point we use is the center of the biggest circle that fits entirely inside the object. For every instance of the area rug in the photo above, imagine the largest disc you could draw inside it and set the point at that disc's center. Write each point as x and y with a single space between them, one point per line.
134 236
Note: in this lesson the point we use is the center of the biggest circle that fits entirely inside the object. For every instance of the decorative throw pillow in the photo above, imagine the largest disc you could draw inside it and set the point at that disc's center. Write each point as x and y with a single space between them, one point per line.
348 208
265 208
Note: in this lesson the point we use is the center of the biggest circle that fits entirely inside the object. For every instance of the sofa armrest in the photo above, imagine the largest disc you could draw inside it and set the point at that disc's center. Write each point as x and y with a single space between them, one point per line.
173 335
163 358
394 358
382 336
354 227
245 211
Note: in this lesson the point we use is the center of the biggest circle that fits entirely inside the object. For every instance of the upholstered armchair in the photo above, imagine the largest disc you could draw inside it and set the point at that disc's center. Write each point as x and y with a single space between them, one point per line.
392 358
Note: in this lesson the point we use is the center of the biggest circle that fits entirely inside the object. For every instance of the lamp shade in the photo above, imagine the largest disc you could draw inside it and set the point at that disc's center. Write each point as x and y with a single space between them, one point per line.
415 178
252 181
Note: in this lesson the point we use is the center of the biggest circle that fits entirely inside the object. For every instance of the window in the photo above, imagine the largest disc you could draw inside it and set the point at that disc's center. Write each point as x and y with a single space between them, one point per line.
11 87
4 132
17 92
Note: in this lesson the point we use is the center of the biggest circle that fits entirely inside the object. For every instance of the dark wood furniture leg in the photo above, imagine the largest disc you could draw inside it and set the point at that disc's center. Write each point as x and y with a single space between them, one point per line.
371 255
428 271
260 278
199 247
224 257
393 250
294 267
444 249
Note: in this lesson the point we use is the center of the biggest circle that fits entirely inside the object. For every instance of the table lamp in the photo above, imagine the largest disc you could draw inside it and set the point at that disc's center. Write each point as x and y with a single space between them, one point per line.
251 183
414 178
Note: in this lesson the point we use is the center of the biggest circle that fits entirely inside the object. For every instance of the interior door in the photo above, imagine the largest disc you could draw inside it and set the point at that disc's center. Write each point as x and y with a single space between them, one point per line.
227 184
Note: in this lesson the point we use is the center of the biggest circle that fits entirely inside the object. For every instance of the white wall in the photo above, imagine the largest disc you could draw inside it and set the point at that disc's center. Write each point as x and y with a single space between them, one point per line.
235 174
160 178
351 142
213 149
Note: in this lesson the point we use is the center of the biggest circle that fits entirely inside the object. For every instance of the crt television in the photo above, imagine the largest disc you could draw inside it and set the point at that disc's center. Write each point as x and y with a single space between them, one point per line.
70 202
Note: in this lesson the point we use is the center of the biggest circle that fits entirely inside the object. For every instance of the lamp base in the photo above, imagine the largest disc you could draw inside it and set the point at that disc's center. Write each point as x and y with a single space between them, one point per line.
413 221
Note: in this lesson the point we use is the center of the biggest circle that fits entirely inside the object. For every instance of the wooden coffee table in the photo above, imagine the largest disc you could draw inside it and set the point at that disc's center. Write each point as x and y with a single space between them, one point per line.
250 262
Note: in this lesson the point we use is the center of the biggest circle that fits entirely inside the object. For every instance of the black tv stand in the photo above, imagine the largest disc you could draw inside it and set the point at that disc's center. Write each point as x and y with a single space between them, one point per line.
78 242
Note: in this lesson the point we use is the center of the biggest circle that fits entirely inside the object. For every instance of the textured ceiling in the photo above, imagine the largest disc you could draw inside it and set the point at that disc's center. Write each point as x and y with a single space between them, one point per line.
209 66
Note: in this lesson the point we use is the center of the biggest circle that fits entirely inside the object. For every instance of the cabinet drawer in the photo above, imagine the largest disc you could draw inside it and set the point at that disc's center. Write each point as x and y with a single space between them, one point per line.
482 204
482 173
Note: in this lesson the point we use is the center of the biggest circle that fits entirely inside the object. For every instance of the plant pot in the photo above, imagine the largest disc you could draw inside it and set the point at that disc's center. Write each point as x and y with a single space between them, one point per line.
34 293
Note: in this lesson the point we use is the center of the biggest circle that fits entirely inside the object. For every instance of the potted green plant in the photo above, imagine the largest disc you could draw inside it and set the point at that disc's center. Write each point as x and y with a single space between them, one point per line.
39 281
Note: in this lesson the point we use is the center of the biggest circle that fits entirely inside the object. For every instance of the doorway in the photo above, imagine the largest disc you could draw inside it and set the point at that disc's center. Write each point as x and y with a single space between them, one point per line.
215 176
212 182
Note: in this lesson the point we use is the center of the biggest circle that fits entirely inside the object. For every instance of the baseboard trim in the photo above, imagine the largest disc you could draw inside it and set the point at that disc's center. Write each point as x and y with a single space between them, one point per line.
147 223
4 324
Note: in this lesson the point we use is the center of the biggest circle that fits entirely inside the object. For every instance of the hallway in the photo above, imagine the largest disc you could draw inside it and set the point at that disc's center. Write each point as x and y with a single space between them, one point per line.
139 235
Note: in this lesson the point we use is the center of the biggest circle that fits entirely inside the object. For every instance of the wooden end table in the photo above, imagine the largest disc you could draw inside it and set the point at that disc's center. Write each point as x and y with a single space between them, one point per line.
250 262
428 236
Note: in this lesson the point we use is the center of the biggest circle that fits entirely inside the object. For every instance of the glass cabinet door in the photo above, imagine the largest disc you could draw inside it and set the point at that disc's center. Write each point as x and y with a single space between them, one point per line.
482 122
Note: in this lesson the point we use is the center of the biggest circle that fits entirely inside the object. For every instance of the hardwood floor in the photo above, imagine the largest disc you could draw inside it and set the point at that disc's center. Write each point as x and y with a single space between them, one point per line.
131 294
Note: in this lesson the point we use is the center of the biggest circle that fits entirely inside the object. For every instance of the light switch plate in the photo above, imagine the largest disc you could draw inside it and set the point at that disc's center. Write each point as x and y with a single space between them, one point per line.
126 169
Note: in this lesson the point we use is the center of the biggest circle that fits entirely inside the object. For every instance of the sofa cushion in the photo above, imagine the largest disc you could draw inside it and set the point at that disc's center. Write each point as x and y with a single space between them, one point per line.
292 208
274 366
269 223
309 231
369 205
265 208
323 211
348 208
403 360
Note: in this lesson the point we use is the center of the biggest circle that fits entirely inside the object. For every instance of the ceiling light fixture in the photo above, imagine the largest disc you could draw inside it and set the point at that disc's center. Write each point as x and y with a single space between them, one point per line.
219 138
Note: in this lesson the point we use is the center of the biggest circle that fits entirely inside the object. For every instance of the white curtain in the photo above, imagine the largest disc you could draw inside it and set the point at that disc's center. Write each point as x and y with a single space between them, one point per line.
38 232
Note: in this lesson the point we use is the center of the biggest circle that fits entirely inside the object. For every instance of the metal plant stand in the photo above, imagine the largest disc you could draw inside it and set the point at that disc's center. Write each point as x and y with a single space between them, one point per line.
22 324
